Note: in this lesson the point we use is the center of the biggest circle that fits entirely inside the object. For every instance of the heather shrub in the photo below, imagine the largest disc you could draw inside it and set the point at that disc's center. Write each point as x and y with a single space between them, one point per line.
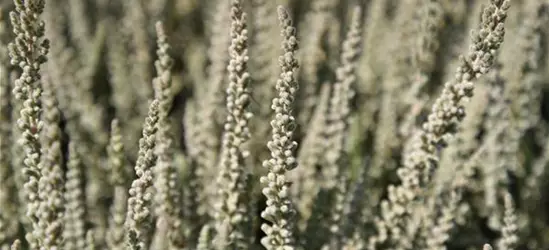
280 125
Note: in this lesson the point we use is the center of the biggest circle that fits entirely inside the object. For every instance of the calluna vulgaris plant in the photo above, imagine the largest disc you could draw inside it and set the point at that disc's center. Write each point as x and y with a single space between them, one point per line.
281 125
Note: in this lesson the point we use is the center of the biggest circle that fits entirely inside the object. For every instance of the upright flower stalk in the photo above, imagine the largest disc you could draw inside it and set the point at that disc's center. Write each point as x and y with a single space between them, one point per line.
232 216
74 231
280 211
50 185
138 216
28 51
339 120
166 183
446 115
118 170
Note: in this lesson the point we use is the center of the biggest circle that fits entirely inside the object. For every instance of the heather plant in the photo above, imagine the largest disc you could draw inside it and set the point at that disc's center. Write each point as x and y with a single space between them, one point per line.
284 124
